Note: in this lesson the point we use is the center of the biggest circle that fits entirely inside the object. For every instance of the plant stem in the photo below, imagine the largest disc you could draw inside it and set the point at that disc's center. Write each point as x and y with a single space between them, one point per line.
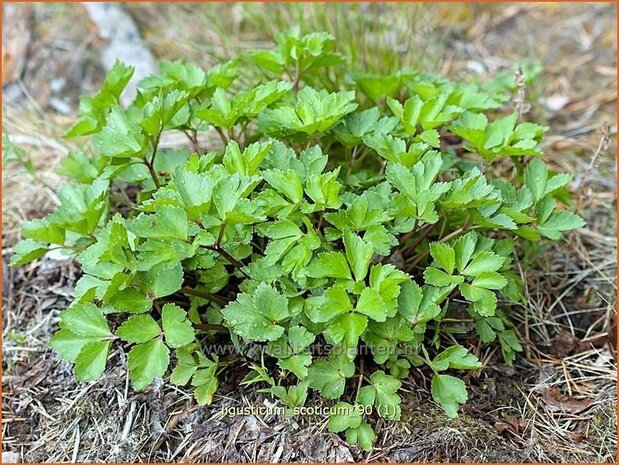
297 77
193 138
361 370
150 164
210 327
222 136
222 228
227 256
205 295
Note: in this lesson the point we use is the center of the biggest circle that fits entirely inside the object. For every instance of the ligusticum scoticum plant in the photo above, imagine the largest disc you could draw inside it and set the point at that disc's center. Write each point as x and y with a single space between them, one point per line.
367 214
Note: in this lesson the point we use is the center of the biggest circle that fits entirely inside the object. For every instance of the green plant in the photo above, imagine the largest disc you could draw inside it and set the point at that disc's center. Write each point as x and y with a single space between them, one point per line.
354 218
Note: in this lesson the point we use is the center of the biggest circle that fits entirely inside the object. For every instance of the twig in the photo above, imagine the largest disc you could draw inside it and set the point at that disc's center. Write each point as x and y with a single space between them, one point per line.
603 147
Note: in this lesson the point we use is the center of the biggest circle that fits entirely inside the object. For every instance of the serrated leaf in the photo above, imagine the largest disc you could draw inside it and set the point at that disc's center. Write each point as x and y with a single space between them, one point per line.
455 357
329 376
346 329
345 416
85 320
146 362
490 280
448 392
138 329
131 300
119 137
27 250
413 306
483 262
255 316
559 222
484 301
363 435
386 399
439 278
161 282
444 255
90 362
68 345
536 177
168 222
371 304
177 328
204 392
359 254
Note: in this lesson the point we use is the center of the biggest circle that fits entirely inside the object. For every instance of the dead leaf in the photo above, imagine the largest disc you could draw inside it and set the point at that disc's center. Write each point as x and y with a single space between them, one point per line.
555 401
563 344
510 423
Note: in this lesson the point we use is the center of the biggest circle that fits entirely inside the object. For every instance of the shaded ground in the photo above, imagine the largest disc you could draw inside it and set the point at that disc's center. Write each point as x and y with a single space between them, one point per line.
558 403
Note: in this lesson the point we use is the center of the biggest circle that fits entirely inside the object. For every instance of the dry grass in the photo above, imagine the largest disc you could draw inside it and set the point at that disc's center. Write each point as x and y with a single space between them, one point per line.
557 404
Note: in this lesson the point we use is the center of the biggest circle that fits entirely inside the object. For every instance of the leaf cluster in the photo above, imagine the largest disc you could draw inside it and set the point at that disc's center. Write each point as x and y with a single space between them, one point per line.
370 220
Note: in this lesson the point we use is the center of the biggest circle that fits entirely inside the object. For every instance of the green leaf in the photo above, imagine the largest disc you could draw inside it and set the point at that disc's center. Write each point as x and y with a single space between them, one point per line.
359 254
439 278
329 376
386 399
455 357
147 361
414 305
484 300
27 250
248 161
444 255
297 364
313 111
500 130
509 345
168 222
131 300
120 137
205 390
85 320
44 230
329 265
490 280
68 345
332 303
90 362
346 329
363 435
345 416
448 392
559 222
255 316
138 328
483 262
177 328
287 182
184 369
371 304
161 282
196 190
536 177
464 248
